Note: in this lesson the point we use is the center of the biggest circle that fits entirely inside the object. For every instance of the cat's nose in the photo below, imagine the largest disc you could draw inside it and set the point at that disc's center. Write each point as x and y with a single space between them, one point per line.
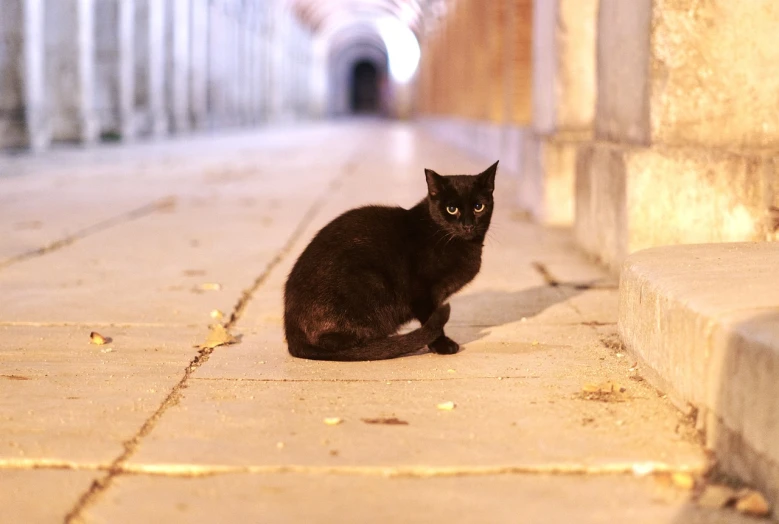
468 228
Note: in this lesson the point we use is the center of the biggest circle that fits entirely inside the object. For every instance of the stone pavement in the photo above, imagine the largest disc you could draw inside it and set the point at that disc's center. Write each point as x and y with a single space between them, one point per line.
141 243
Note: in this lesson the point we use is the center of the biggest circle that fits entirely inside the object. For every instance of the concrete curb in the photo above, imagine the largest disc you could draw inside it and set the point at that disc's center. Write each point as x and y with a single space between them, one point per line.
704 319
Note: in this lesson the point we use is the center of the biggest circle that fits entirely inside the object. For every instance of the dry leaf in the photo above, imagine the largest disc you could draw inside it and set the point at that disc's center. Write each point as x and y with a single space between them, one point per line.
605 392
333 421
753 503
218 336
446 406
715 496
683 480
392 421
216 314
98 339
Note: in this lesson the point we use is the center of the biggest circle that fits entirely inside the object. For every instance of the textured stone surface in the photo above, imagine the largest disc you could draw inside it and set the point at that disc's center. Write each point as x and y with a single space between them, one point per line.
564 87
705 319
501 499
688 73
627 199
40 496
546 187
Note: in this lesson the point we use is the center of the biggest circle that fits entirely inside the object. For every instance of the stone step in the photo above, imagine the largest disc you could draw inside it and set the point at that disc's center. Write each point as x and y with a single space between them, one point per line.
705 321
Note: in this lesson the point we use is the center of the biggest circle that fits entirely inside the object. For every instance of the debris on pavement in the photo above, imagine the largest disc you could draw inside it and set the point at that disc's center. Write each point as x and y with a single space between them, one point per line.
446 406
751 502
333 421
216 314
218 335
716 496
210 286
683 480
98 339
604 392
390 421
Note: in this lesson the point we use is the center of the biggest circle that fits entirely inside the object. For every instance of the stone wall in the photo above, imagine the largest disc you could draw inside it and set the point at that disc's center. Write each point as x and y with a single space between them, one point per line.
653 121
686 128
85 70
474 83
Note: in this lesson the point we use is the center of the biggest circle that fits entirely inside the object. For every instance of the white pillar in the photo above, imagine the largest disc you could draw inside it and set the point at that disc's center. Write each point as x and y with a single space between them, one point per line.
156 77
198 73
70 69
37 117
127 127
23 117
178 64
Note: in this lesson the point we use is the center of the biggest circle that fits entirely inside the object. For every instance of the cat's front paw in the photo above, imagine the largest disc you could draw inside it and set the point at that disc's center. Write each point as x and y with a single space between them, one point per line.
444 346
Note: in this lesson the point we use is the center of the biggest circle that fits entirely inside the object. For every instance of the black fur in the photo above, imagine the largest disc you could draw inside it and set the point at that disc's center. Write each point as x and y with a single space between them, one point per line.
375 268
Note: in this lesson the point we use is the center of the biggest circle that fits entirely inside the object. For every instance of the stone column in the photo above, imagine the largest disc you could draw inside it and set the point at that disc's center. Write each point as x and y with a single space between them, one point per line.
23 113
198 71
686 128
114 68
563 106
178 63
157 59
70 69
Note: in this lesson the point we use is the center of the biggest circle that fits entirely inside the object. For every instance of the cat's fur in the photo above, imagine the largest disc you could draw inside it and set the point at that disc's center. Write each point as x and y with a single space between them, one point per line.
375 268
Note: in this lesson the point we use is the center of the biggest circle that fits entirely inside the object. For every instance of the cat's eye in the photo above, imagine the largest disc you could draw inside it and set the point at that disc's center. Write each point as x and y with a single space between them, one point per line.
478 207
452 210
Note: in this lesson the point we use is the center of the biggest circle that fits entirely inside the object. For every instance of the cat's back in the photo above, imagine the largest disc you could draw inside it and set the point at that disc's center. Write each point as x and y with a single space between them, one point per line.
367 228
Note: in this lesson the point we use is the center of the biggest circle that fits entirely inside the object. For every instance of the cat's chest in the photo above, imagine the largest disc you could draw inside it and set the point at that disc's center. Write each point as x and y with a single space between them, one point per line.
453 268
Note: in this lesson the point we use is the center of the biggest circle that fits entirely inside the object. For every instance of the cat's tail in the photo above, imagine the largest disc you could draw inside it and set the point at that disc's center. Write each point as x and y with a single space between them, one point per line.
379 349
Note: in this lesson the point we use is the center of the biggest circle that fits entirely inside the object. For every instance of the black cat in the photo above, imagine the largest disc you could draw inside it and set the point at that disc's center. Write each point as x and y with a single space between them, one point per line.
375 268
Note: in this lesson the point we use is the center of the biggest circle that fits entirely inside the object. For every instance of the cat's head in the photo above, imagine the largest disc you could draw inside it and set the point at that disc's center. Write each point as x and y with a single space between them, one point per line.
462 204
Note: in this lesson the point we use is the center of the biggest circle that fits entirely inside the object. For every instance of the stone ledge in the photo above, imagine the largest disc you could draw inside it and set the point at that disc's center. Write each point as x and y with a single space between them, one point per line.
628 199
705 320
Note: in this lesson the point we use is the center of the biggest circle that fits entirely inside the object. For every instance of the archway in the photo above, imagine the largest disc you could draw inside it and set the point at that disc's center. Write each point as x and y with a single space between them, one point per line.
364 89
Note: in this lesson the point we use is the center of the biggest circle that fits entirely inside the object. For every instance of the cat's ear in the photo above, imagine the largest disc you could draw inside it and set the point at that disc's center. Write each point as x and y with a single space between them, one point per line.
487 178
435 182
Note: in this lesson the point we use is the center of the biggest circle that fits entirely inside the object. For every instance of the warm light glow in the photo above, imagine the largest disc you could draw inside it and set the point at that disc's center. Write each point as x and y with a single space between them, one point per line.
402 48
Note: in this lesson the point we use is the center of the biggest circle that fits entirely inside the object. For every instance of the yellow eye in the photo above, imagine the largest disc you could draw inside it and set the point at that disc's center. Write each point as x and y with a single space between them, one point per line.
452 210
478 207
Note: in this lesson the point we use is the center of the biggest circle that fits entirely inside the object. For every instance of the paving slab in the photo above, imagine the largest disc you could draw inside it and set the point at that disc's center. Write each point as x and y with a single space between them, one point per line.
40 496
65 399
496 422
705 320
293 498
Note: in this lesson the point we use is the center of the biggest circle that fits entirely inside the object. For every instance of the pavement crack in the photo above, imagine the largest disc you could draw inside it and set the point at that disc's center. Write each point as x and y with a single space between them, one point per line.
157 205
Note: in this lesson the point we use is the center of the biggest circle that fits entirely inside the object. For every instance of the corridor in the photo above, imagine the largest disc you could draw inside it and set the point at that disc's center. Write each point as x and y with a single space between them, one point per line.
549 421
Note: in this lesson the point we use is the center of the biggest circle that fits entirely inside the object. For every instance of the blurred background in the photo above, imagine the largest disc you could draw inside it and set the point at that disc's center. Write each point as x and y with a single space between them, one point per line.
638 123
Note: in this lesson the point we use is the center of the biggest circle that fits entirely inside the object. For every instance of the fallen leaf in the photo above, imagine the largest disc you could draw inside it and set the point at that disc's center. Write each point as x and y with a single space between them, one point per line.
716 496
683 480
218 336
216 314
392 421
752 502
98 339
605 392
210 286
333 421
446 406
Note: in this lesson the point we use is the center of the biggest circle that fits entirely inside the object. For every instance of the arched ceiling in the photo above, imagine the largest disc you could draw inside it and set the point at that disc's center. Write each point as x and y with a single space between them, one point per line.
319 14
